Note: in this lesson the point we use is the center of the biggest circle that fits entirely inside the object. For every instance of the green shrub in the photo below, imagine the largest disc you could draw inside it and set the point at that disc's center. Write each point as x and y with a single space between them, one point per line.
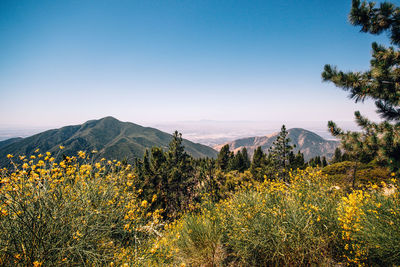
72 214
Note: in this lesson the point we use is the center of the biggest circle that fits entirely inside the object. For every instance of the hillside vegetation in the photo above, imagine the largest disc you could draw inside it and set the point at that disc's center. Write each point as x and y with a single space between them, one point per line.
110 137
171 209
309 143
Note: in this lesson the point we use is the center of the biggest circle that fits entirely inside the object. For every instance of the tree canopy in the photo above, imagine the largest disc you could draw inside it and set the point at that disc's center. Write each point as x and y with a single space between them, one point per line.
381 83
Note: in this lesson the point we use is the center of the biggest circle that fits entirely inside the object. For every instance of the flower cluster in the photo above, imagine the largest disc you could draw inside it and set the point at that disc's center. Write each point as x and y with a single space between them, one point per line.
72 212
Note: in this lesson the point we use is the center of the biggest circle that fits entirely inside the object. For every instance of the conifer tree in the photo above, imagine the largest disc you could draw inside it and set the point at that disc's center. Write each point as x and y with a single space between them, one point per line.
168 175
315 162
280 152
324 163
337 156
180 175
257 167
224 156
246 159
318 161
378 141
297 162
258 158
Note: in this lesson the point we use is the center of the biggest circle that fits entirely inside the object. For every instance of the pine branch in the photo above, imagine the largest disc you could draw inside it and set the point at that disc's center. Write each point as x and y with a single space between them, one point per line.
387 111
335 131
359 84
376 20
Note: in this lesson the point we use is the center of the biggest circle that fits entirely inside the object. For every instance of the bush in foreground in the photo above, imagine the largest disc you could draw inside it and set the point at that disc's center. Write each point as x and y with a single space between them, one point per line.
72 213
306 222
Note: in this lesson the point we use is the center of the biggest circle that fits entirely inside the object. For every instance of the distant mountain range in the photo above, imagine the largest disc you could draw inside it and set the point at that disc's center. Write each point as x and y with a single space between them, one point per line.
309 143
112 139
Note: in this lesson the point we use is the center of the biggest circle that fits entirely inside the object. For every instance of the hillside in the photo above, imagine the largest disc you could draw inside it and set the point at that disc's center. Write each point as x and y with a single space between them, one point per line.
9 141
309 143
112 139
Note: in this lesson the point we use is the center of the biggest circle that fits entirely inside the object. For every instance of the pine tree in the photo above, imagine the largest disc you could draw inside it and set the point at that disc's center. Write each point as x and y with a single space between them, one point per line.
258 158
324 163
315 162
257 166
297 161
337 156
180 177
280 152
378 141
246 159
168 175
224 156
318 161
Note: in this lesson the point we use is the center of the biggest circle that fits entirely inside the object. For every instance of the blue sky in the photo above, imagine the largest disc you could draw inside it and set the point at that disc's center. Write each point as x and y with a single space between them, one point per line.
65 62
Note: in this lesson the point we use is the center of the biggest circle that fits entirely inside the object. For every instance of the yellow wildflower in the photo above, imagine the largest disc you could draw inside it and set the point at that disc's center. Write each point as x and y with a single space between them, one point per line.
81 154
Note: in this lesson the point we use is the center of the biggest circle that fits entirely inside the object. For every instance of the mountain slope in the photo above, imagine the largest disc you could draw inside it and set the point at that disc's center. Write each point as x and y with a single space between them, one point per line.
112 139
9 141
309 143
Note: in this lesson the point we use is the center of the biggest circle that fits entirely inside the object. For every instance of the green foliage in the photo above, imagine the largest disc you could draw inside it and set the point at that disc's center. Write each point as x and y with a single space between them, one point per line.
200 241
229 161
310 221
381 83
70 214
240 161
111 138
267 225
342 173
169 176
296 162
315 162
324 162
258 165
338 168
380 230
74 213
338 156
280 154
223 158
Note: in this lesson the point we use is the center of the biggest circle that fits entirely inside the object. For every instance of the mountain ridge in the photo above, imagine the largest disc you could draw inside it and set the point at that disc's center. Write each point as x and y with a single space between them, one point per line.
113 139
308 142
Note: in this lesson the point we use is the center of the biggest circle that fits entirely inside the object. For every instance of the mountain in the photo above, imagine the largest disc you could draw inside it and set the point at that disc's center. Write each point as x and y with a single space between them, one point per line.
309 143
112 139
9 141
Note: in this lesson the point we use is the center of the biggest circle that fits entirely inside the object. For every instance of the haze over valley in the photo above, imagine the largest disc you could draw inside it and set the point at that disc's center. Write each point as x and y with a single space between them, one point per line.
206 132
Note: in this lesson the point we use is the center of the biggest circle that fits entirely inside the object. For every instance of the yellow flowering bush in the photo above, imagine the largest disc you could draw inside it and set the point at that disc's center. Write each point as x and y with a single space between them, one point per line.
72 212
370 222
309 221
272 223
79 212
350 216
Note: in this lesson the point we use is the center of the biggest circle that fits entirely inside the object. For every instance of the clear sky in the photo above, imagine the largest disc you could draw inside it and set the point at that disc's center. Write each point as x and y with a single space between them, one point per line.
65 62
